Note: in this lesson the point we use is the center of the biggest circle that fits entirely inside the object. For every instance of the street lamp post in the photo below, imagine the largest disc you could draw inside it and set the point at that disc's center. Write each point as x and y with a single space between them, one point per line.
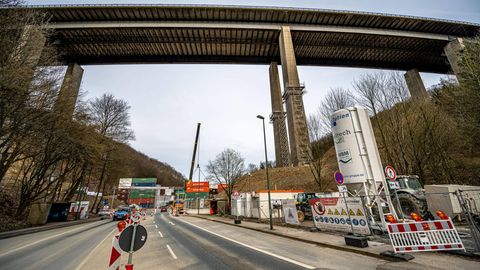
266 170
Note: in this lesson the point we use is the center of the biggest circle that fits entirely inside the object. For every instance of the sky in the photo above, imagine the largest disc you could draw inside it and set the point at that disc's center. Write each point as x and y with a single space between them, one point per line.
168 100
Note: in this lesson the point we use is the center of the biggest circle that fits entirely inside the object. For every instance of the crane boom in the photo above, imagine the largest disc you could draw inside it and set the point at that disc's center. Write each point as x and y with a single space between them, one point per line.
194 153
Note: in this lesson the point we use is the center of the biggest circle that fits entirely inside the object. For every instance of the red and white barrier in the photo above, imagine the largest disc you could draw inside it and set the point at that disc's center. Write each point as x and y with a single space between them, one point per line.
115 255
432 235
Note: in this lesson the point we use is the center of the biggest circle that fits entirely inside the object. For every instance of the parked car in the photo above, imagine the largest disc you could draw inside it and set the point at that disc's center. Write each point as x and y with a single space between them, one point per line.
122 213
105 213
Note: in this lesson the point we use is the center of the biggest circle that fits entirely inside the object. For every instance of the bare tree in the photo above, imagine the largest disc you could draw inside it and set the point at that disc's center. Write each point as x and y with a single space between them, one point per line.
336 99
226 169
26 92
110 117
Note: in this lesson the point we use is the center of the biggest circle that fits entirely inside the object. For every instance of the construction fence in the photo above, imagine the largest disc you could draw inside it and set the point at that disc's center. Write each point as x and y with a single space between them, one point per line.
337 213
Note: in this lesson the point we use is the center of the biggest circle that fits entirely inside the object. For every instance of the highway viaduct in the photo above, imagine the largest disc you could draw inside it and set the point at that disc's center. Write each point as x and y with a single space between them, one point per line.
134 34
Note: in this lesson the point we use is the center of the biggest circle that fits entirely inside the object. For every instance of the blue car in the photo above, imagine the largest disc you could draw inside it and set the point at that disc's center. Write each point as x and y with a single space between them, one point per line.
121 213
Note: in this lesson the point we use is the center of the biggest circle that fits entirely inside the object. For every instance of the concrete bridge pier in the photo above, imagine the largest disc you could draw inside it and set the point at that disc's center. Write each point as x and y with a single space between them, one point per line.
282 153
452 51
29 50
415 84
67 97
293 91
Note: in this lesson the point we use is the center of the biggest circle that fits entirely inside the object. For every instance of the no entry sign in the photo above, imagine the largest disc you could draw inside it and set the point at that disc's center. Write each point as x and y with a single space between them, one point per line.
391 173
339 178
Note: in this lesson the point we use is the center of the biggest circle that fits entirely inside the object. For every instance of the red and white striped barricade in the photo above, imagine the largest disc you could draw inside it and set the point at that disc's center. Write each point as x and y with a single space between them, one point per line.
115 255
434 235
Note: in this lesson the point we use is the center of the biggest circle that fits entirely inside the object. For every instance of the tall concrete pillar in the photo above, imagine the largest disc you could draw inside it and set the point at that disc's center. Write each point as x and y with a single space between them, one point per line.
28 51
282 154
67 97
293 91
452 51
415 85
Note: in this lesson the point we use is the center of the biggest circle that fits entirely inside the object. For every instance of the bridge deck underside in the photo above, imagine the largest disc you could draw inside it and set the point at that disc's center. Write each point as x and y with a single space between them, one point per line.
147 45
228 44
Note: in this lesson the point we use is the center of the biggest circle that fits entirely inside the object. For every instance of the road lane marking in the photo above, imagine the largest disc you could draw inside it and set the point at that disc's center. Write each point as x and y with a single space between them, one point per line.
156 227
41 240
171 223
159 232
171 252
153 221
90 253
254 248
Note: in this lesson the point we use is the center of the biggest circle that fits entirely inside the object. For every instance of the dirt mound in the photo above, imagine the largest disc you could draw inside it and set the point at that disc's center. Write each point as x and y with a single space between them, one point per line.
300 177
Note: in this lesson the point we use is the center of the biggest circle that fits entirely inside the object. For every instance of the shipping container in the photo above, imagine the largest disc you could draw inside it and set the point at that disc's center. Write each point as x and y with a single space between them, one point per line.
142 191
140 201
144 180
144 184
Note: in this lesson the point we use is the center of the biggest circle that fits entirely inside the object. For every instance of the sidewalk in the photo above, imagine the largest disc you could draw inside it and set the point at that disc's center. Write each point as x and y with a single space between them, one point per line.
425 260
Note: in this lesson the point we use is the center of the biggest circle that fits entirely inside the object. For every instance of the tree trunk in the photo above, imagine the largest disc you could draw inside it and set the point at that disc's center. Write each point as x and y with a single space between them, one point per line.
102 176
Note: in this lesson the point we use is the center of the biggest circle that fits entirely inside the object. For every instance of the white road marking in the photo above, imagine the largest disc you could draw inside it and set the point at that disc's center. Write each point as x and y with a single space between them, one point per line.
254 248
41 240
171 252
154 221
90 253
171 223
159 232
156 227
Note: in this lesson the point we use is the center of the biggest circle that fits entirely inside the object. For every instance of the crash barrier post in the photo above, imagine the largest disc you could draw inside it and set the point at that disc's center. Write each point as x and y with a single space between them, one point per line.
115 255
431 235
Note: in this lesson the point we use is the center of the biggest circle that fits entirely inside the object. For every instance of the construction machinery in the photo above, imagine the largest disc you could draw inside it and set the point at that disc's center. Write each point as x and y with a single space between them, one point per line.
411 196
179 202
304 210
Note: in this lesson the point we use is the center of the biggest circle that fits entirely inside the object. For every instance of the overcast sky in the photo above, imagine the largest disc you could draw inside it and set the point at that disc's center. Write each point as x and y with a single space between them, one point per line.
168 100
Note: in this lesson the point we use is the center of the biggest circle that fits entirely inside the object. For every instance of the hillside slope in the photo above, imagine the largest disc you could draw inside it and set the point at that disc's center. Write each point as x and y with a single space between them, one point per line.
300 177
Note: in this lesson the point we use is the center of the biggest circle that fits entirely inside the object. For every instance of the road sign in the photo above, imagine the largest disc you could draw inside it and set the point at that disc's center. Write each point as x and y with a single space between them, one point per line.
394 184
342 188
391 173
236 194
125 239
339 178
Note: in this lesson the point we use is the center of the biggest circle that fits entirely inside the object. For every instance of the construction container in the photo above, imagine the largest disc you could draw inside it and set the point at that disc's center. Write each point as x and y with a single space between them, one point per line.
442 197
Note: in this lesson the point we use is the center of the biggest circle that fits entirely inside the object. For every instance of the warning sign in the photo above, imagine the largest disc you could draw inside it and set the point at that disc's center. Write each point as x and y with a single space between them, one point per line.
290 212
334 215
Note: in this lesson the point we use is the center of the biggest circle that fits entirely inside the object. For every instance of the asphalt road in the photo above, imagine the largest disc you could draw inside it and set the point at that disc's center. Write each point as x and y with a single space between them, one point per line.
196 248
173 243
62 248
190 243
